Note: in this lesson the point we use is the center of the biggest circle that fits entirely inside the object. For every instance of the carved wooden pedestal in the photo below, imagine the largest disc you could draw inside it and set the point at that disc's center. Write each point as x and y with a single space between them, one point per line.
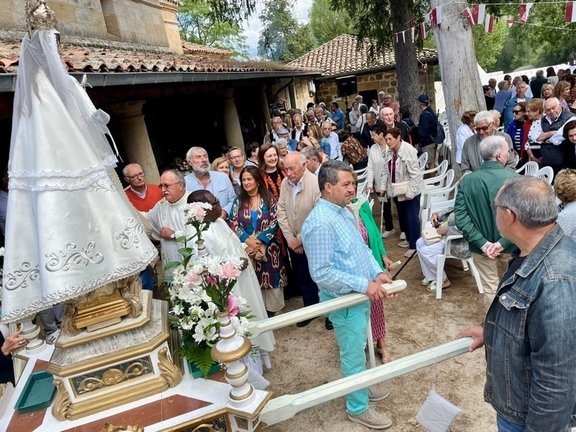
111 368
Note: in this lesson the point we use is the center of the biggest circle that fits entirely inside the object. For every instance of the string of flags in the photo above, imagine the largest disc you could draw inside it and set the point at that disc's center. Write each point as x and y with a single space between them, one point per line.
476 14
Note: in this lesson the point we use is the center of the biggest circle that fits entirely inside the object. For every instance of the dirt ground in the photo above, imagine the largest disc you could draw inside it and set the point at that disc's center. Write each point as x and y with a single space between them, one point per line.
308 357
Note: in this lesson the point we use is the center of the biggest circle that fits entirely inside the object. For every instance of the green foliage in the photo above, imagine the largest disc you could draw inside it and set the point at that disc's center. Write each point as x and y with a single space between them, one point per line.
200 23
278 24
488 46
199 356
327 23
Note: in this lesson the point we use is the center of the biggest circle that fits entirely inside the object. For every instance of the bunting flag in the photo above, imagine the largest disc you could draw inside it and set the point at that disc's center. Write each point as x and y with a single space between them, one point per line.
489 24
422 30
510 22
396 37
412 34
468 15
404 36
434 18
524 11
570 12
479 13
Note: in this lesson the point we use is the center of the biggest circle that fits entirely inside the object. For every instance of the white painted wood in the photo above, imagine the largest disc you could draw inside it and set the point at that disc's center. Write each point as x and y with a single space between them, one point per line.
285 407
258 327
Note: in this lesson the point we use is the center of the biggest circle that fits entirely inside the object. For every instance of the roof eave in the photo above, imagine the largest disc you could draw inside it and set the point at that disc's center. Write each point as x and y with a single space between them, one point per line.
111 79
432 61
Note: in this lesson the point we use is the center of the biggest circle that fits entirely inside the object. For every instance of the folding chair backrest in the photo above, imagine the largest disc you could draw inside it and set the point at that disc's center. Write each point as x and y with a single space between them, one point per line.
530 168
546 173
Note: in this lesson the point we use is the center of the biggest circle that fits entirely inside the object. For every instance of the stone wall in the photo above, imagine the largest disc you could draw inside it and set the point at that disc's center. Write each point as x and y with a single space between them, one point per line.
149 22
327 92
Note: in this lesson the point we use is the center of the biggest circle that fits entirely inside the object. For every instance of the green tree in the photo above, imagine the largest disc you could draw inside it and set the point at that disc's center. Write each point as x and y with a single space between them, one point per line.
375 21
282 39
327 23
199 24
488 46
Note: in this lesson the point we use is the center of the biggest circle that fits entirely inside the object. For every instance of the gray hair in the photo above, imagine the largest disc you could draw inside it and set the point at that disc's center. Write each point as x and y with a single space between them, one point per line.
329 172
491 146
531 199
311 153
280 141
501 85
193 150
125 169
483 116
178 175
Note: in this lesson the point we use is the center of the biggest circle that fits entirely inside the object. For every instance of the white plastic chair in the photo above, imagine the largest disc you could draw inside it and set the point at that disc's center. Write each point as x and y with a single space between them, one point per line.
467 263
439 170
440 181
434 197
530 168
362 175
546 173
422 161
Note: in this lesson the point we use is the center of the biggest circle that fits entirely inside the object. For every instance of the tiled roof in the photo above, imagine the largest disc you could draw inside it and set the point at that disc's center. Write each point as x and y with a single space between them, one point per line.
340 56
97 55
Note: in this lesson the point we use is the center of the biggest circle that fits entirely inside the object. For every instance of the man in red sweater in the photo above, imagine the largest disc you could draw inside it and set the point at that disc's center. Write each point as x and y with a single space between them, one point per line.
142 196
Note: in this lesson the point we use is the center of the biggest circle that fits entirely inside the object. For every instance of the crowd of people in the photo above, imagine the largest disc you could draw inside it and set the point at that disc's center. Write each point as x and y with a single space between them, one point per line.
292 206
535 114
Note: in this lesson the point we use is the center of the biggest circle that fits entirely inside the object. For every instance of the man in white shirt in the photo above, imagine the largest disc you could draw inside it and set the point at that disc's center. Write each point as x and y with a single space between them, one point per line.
167 216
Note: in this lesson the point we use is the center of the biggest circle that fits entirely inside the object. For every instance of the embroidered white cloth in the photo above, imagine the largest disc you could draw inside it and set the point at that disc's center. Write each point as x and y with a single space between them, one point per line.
70 228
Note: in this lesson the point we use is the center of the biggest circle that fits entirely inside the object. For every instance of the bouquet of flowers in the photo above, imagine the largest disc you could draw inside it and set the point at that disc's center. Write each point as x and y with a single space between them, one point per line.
199 294
195 216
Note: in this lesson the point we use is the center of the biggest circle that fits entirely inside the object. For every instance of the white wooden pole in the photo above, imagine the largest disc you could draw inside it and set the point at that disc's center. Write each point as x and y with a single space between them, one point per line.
286 406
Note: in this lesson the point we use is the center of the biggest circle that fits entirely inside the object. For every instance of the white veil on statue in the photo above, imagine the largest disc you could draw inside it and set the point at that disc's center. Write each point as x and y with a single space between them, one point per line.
69 228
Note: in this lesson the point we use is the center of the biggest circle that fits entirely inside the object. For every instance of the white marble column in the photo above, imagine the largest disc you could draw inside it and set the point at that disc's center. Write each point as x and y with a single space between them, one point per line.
137 146
232 127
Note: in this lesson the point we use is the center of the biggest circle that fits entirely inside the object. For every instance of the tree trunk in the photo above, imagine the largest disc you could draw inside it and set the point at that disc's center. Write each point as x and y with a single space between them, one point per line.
458 66
405 55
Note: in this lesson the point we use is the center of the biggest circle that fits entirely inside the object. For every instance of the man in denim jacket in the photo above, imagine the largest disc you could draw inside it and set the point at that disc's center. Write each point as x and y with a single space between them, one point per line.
530 329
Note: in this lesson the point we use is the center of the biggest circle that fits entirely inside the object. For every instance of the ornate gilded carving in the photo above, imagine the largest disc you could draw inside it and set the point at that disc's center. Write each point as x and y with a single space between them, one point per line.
169 371
61 403
112 376
129 289
20 278
131 233
129 428
71 255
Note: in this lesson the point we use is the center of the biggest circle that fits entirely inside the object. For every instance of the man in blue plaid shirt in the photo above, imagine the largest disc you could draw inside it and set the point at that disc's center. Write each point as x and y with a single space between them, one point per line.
341 263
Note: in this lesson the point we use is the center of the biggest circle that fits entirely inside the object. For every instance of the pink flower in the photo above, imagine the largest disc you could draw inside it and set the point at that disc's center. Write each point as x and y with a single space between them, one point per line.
211 280
193 278
228 271
198 213
233 308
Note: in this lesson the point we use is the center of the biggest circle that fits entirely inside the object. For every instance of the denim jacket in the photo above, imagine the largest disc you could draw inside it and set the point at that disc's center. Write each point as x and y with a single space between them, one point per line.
530 339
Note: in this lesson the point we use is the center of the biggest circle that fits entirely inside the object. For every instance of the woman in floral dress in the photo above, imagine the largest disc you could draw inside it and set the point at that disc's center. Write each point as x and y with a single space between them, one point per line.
253 218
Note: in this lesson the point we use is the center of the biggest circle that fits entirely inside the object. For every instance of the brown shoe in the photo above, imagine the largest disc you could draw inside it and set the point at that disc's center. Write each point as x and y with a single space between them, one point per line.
372 419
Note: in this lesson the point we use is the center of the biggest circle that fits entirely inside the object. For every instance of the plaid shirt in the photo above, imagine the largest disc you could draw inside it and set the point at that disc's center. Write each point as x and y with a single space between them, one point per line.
339 260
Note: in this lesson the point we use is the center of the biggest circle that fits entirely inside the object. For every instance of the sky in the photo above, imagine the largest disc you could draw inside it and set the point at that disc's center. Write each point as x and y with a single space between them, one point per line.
253 26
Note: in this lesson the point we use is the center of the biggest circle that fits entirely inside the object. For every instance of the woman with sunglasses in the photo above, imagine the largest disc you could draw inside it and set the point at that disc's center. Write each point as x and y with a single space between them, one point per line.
516 131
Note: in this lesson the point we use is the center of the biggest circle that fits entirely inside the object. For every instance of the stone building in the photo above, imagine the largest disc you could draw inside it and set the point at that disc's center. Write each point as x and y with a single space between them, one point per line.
344 65
163 95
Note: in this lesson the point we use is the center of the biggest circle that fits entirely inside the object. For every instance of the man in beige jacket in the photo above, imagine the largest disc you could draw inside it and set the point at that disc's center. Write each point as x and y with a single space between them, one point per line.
299 193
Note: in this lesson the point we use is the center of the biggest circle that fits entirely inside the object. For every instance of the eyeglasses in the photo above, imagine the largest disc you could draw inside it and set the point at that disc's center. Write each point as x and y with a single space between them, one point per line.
483 128
518 111
167 185
135 176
